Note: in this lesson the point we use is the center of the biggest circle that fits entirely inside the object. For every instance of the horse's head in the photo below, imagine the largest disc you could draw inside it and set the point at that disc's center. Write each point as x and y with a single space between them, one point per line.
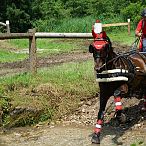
102 52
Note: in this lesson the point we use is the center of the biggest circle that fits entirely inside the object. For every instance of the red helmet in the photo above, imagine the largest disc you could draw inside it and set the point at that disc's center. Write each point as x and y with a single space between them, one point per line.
97 21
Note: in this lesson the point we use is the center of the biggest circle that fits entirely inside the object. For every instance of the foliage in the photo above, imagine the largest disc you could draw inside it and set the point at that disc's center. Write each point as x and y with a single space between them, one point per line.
78 8
132 11
47 14
18 14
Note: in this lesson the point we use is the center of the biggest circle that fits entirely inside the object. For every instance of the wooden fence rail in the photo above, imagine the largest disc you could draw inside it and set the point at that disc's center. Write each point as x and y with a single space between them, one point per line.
15 35
32 35
119 24
62 35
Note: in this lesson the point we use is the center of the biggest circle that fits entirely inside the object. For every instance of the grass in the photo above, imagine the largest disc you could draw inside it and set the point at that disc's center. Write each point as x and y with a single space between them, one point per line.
19 43
10 50
83 24
65 76
122 37
16 50
75 25
57 90
56 46
48 45
138 143
7 56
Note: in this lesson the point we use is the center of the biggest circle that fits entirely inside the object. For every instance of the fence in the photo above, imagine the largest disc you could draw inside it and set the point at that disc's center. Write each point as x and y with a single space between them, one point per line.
7 25
32 35
119 24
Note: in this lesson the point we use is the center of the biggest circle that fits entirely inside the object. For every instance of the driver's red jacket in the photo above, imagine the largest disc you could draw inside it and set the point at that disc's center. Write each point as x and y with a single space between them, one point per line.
141 27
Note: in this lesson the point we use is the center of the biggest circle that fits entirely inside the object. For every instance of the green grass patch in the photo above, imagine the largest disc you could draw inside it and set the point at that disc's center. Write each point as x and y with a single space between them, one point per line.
16 50
66 76
122 37
7 56
82 24
56 46
72 77
75 25
20 43
52 92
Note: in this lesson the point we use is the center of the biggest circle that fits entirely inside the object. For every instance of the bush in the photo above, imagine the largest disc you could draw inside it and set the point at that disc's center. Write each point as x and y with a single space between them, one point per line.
133 12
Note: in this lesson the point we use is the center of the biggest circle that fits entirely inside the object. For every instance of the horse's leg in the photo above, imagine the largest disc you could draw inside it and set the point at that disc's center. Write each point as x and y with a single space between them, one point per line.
103 101
118 104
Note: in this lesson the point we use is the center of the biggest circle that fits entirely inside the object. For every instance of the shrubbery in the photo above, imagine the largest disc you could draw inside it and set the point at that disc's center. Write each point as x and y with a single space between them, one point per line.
48 15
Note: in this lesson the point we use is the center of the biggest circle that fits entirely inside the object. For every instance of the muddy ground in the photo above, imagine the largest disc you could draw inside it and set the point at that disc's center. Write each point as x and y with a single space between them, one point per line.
76 129
23 66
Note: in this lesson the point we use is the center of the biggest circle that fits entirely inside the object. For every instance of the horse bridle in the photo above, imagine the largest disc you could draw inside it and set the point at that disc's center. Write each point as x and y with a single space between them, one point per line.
105 58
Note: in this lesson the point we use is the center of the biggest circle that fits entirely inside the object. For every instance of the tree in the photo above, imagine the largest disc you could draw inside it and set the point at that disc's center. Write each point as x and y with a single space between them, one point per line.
132 11
18 13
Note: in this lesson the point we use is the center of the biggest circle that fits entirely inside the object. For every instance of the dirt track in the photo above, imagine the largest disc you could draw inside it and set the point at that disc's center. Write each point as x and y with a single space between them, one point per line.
22 66
76 130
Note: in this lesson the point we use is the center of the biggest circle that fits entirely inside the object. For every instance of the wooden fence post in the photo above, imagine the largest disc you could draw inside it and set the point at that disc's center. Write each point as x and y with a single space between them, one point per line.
128 26
32 52
8 26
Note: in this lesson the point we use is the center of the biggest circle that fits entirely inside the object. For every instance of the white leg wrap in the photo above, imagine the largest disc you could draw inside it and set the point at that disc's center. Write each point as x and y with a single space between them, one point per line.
98 126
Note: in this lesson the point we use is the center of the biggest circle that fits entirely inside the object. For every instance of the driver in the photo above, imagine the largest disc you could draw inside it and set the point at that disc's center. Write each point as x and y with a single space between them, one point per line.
141 31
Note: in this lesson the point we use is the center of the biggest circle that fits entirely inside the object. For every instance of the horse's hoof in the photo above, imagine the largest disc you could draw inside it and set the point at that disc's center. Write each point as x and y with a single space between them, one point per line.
121 118
95 138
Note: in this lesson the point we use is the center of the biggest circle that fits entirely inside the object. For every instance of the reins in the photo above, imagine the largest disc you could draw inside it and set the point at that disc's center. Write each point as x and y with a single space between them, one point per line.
123 61
135 44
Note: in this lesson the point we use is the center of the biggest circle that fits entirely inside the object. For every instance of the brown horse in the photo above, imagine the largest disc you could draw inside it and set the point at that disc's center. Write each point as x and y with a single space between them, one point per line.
119 75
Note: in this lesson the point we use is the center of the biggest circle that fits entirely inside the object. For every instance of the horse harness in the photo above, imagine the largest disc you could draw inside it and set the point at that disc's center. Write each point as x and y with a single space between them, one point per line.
118 73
